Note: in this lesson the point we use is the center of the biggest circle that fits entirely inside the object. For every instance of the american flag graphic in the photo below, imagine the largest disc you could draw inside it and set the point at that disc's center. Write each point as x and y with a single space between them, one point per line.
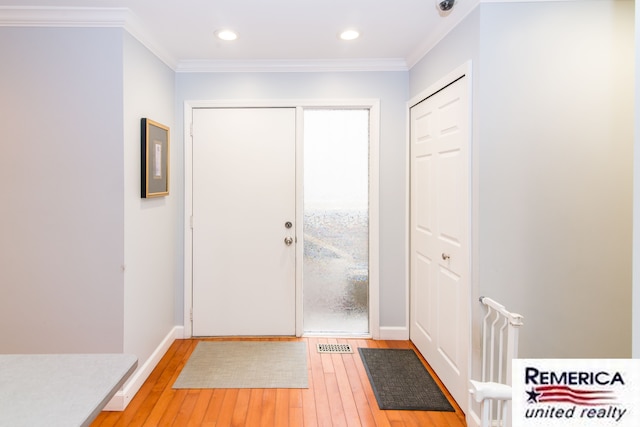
566 394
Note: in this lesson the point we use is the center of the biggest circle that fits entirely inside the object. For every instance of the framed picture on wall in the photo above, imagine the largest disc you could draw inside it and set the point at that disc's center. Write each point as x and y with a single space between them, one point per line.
154 159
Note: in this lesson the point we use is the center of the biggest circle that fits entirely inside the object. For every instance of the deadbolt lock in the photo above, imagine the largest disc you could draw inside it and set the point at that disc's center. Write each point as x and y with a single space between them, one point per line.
288 224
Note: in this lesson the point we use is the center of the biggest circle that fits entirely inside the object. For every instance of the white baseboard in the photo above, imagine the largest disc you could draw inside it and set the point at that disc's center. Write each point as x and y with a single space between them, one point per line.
473 420
394 333
123 397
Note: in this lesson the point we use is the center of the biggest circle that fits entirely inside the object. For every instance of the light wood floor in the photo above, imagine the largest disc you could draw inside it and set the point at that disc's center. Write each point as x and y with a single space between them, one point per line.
339 394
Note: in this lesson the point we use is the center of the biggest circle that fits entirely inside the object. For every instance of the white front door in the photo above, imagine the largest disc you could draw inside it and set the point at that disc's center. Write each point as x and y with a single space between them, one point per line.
439 235
243 202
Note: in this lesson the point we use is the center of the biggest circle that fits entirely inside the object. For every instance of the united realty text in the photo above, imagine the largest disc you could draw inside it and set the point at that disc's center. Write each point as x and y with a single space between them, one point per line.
610 412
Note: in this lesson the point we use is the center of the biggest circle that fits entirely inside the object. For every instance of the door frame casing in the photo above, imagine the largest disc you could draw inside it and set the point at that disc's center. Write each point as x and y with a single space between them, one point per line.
373 105
463 70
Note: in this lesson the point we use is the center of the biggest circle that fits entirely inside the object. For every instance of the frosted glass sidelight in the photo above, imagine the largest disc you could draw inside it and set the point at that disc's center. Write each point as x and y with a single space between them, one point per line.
336 221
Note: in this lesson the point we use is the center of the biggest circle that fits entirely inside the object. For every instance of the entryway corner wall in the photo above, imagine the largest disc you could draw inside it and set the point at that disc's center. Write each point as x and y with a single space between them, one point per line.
553 138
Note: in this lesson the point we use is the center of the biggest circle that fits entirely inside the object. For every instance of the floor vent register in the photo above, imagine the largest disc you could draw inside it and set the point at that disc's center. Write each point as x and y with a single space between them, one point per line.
334 348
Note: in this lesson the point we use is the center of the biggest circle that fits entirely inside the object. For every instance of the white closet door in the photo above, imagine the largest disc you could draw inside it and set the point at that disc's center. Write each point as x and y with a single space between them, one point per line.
439 235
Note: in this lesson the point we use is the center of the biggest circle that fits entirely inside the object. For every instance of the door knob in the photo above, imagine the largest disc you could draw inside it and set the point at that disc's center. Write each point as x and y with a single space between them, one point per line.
445 256
288 241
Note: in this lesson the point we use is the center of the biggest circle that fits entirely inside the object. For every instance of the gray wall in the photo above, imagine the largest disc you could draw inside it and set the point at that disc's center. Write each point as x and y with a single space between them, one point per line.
87 265
151 225
553 135
62 245
391 89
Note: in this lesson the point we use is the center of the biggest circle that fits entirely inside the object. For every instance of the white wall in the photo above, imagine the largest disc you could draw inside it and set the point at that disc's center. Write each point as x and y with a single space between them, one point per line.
556 172
553 146
391 89
150 231
61 215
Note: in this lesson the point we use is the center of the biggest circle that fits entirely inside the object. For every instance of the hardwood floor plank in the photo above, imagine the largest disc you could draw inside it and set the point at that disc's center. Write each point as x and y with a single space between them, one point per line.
327 362
210 403
176 402
254 408
109 420
268 411
282 407
323 410
159 409
203 397
339 394
225 416
185 411
296 408
296 414
346 393
309 411
365 413
336 410
240 409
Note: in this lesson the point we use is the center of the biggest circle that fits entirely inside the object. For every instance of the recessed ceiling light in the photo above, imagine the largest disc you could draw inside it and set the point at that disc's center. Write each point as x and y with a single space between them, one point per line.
227 35
349 35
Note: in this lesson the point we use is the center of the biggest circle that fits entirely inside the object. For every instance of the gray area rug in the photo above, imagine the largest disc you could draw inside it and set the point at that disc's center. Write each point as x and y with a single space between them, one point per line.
246 364
400 381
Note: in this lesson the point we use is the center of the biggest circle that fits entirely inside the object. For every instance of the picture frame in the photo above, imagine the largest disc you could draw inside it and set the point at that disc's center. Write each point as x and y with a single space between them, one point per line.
155 164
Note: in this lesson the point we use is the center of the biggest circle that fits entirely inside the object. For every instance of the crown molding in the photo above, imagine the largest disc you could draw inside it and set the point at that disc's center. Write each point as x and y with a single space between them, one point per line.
34 16
452 21
122 17
83 17
302 65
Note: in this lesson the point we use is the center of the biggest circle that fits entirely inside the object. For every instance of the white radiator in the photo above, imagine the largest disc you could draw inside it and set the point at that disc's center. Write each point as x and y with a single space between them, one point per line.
499 348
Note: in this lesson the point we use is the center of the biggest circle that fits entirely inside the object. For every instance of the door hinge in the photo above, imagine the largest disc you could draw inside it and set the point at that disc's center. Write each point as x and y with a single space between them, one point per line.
191 129
191 222
191 314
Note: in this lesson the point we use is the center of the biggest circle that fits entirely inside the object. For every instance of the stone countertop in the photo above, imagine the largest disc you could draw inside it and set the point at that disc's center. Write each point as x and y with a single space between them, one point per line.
65 390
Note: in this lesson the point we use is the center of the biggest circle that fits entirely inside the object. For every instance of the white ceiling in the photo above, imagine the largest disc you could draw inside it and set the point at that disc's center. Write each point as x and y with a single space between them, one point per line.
292 34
